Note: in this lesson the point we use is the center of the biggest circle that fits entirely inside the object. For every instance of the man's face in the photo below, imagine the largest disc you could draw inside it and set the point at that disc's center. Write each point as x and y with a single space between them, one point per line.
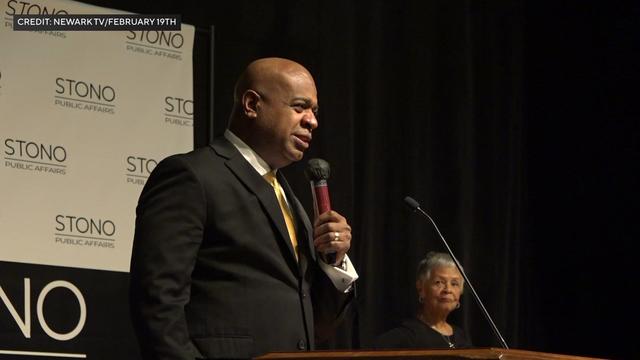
286 117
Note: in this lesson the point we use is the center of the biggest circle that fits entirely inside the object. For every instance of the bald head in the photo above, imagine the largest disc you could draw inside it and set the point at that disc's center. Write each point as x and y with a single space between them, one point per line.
267 75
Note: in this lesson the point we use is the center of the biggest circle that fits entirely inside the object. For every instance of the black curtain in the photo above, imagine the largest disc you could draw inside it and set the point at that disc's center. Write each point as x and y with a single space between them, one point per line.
583 150
420 99
514 123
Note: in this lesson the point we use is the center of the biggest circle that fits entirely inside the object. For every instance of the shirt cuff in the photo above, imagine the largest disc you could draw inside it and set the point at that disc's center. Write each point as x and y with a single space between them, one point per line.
341 279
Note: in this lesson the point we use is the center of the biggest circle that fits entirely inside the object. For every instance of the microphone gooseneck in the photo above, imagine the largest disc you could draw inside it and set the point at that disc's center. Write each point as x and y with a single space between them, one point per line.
415 206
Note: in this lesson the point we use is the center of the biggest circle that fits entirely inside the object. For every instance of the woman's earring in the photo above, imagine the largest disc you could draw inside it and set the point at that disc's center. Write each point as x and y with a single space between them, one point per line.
421 300
458 305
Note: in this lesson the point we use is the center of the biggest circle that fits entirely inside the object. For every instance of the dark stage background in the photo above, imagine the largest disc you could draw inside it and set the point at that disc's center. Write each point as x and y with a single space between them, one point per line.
515 123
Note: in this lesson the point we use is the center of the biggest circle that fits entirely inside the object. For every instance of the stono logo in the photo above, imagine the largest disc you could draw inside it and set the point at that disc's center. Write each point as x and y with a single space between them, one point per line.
83 225
140 165
34 150
178 106
24 322
35 156
84 231
27 8
85 90
166 44
178 111
139 168
84 95
166 39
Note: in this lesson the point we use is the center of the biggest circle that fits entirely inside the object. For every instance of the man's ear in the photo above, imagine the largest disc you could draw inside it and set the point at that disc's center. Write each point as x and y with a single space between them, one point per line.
250 100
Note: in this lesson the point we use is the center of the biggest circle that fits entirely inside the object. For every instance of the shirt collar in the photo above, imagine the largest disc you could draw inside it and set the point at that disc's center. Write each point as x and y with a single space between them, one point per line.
251 156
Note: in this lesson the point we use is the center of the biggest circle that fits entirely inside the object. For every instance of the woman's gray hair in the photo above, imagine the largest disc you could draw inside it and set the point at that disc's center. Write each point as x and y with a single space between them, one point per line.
432 260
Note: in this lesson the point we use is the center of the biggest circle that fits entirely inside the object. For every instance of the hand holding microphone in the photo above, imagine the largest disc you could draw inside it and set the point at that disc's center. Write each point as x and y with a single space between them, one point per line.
331 233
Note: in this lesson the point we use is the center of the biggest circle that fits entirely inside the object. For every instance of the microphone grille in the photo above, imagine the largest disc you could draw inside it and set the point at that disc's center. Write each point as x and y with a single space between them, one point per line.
317 169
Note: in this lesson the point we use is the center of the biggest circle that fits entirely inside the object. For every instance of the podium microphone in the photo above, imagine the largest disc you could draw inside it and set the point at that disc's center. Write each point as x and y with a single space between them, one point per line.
415 206
317 173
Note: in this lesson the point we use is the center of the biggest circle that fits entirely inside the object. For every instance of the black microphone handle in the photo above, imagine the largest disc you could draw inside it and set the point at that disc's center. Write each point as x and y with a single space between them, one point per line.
416 207
330 257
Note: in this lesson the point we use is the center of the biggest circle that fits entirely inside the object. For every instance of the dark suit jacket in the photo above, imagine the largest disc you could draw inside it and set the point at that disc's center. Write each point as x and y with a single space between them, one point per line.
213 273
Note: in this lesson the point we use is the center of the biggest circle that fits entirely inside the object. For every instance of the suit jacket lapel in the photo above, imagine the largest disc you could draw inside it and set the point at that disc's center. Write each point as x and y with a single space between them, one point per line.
258 186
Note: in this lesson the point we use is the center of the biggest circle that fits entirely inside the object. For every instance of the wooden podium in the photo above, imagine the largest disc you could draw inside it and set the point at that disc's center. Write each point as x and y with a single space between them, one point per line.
464 354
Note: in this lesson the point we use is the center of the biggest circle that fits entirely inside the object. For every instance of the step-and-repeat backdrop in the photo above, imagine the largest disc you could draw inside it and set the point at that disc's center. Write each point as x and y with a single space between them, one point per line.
84 119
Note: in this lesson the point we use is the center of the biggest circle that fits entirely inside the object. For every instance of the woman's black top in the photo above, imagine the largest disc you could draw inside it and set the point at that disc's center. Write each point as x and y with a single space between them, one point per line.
414 334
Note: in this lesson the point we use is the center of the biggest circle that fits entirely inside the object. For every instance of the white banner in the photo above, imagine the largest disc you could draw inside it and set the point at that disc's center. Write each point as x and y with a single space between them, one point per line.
84 118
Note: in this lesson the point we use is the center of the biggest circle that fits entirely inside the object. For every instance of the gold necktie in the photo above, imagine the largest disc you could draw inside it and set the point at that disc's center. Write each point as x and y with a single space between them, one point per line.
286 212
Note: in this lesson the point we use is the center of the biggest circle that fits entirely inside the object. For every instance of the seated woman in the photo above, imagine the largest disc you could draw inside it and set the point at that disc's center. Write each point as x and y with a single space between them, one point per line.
439 285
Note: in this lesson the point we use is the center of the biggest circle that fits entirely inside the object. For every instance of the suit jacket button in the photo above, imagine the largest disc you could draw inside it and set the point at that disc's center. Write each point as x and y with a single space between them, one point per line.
304 295
301 345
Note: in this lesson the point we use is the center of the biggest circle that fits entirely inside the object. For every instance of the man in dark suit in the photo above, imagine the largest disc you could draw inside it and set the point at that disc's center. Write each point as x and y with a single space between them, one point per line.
225 261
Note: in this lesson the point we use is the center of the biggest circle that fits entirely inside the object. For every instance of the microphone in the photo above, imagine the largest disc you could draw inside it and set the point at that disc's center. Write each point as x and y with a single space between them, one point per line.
415 206
317 173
